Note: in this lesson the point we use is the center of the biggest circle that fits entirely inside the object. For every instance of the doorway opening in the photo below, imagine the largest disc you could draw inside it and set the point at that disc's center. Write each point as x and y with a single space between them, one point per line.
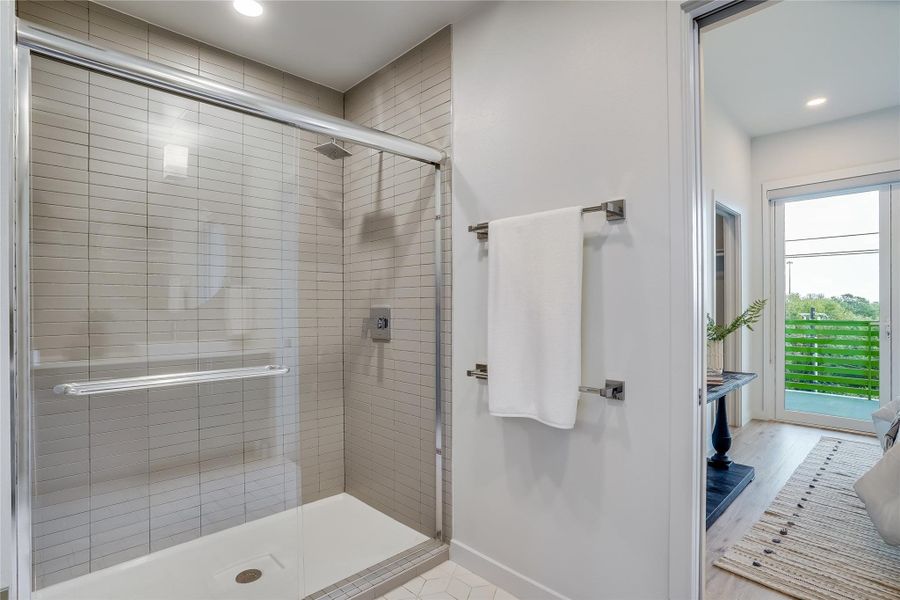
803 150
834 281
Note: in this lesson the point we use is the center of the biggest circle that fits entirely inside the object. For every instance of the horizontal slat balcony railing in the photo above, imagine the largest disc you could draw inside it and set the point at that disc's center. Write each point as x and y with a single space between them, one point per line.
832 357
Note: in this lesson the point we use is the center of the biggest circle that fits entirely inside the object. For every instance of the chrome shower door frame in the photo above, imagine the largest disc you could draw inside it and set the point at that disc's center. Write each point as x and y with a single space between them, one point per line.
19 211
438 366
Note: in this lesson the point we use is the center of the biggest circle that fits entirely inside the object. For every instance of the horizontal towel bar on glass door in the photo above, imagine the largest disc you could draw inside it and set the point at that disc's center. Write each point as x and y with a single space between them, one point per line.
614 209
146 382
612 389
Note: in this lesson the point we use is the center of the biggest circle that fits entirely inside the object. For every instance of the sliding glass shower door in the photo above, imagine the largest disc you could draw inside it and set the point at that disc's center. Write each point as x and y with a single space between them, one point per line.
164 239
193 293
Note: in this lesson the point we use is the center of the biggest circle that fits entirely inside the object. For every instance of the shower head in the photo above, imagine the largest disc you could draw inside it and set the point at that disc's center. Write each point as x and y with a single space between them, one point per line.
332 150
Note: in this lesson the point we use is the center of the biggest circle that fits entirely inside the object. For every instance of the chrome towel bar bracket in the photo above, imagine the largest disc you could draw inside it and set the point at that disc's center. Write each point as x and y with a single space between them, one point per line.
613 388
146 382
479 372
614 209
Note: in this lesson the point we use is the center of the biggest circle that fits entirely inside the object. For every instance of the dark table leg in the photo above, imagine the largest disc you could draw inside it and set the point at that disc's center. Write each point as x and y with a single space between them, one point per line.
725 480
723 486
721 437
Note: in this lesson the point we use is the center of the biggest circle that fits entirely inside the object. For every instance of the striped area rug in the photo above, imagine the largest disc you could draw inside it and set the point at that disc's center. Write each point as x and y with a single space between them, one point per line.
815 541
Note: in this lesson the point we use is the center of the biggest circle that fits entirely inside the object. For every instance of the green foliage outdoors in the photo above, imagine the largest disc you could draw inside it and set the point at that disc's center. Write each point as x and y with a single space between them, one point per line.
715 332
846 307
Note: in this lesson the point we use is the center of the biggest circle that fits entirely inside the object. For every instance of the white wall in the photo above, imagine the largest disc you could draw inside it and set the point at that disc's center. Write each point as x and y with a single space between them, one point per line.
726 156
726 179
557 104
863 140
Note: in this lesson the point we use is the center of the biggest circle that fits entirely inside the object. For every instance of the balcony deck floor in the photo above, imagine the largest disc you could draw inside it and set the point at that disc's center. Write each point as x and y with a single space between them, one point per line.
830 404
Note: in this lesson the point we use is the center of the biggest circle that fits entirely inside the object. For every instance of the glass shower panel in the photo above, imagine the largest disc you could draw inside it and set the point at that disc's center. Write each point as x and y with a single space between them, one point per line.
164 239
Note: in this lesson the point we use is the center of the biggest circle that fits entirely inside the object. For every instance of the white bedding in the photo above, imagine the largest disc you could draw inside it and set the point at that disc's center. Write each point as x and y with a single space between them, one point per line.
879 489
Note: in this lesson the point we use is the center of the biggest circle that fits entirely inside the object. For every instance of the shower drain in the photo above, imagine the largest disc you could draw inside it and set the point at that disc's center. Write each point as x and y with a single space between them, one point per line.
248 576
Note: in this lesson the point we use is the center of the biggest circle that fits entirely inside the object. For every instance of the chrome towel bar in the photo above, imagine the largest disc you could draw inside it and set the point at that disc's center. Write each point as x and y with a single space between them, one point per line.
146 382
613 388
615 211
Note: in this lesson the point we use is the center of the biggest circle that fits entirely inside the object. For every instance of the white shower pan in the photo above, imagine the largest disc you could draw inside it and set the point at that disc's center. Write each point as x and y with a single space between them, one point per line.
340 536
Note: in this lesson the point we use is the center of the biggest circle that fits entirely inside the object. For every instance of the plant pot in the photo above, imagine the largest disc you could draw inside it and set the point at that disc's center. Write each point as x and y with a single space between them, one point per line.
715 356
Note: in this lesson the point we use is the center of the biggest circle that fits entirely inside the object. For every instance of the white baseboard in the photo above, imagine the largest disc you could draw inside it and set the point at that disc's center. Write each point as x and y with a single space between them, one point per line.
512 581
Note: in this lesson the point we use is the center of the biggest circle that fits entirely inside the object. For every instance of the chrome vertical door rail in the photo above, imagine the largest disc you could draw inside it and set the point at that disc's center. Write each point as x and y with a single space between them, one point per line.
20 350
438 407
8 102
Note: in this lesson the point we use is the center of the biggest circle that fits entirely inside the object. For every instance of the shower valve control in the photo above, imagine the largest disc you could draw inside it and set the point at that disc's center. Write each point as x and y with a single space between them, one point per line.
380 323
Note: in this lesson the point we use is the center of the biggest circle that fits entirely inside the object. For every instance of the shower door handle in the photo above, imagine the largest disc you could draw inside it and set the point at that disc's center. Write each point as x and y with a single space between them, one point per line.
146 382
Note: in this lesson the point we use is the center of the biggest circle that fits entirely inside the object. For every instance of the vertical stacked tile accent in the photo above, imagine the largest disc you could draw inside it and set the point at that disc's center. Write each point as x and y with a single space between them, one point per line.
321 307
221 454
262 327
144 263
117 297
174 298
388 260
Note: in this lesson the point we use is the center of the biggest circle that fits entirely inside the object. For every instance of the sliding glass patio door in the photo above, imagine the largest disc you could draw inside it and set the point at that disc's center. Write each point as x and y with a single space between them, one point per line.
833 305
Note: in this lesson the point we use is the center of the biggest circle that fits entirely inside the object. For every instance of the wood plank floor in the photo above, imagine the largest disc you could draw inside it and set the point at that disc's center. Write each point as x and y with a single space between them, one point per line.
775 450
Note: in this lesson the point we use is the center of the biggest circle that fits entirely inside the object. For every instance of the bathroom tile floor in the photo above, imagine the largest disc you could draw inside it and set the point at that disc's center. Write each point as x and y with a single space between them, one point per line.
448 581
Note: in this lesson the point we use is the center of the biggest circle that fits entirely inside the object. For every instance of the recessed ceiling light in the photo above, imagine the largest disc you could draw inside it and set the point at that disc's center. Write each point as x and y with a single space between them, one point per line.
248 8
814 102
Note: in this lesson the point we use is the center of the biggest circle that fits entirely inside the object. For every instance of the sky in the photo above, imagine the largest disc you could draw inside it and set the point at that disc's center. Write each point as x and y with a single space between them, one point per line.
849 223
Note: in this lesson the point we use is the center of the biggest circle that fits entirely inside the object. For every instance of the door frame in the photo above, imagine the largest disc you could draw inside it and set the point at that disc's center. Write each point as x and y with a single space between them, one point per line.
862 176
688 241
886 227
733 283
8 103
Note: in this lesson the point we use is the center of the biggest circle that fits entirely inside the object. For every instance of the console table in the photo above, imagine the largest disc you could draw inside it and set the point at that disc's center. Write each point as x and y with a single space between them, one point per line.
725 479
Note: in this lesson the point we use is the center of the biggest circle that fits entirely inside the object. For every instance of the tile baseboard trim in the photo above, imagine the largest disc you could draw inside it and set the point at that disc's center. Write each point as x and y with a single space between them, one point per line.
499 574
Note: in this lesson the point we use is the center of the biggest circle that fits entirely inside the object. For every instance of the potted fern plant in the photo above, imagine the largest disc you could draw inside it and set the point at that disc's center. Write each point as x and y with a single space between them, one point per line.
716 334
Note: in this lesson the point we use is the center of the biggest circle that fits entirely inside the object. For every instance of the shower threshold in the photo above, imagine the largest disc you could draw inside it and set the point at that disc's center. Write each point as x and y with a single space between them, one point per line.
341 536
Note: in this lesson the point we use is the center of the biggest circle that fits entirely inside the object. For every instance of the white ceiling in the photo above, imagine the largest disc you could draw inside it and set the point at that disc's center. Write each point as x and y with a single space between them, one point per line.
763 67
337 44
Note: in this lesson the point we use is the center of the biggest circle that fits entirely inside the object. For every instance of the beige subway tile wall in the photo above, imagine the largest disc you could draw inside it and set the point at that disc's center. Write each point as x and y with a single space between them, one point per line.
169 235
388 260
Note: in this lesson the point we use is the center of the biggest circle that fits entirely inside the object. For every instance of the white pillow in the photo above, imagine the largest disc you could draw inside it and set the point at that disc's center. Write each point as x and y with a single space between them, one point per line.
883 417
879 489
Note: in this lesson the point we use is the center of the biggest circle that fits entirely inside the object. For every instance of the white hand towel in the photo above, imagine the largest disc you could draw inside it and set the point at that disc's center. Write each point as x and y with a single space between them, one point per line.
534 316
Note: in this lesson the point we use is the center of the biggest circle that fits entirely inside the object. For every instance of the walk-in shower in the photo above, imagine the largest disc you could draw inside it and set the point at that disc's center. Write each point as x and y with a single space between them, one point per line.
162 348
